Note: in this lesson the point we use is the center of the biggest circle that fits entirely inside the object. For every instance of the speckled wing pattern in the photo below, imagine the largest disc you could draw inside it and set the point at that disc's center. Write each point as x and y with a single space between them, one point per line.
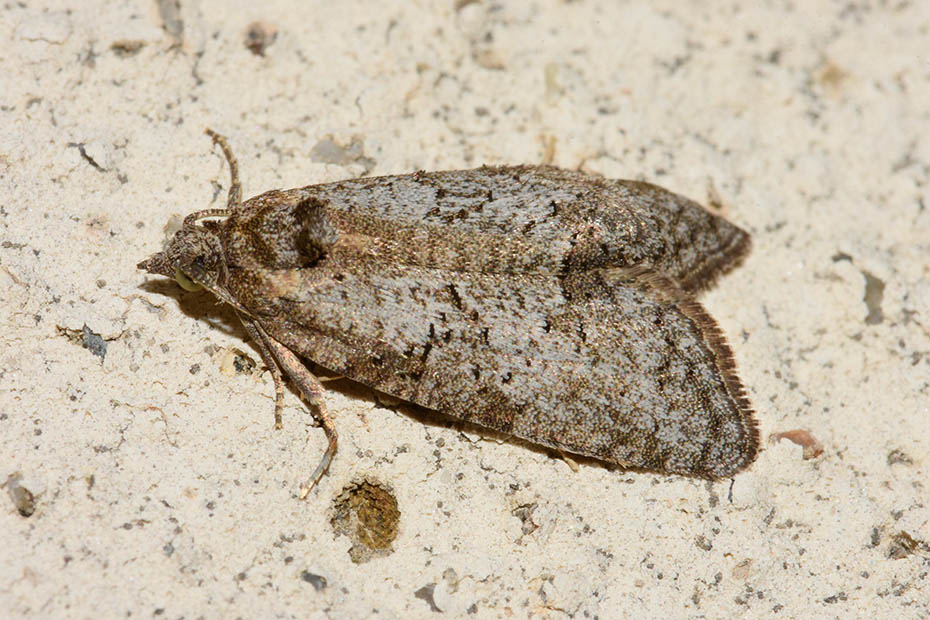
573 219
547 304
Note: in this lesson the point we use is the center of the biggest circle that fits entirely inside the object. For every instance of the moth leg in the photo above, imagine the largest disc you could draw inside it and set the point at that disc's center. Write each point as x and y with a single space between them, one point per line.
272 365
310 388
572 463
235 187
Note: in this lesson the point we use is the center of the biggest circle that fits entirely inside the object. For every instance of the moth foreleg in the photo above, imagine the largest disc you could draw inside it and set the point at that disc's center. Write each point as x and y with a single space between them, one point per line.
279 358
272 364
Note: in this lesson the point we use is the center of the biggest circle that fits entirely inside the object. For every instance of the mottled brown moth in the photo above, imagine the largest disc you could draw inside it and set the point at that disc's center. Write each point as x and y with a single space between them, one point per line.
547 304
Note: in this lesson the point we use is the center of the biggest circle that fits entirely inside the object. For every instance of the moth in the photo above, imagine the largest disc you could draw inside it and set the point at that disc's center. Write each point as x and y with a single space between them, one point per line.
547 304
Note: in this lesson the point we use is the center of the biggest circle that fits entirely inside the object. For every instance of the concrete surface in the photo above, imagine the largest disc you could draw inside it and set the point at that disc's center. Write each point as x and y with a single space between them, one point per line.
135 424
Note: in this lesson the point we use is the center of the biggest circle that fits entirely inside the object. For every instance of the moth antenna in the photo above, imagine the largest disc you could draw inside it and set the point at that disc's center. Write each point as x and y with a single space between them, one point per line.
235 187
192 218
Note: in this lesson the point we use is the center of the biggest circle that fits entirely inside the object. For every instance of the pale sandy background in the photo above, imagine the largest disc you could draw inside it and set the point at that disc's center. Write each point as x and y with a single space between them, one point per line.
158 484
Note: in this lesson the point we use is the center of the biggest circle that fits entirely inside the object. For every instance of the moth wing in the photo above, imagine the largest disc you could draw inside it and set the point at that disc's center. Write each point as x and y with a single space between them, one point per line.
567 221
619 365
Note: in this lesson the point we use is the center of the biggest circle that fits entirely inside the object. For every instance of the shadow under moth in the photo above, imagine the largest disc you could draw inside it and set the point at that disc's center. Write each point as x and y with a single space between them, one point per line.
546 304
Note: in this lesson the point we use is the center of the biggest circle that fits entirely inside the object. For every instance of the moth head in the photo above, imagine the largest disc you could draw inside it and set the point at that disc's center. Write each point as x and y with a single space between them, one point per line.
193 258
